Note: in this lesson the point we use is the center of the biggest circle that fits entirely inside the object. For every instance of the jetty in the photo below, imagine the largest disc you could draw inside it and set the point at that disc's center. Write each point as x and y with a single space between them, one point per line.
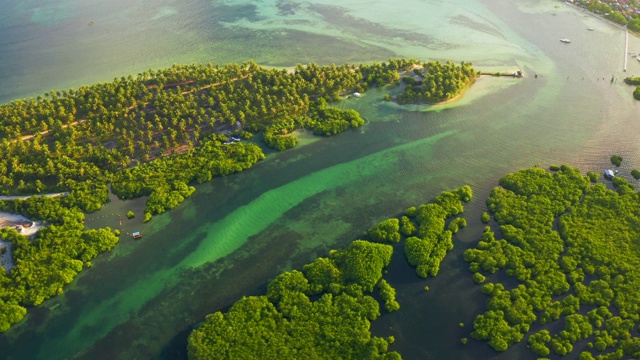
517 74
626 48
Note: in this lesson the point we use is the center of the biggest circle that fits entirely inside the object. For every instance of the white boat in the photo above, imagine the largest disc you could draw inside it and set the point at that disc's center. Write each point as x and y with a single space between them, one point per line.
590 29
565 40
638 58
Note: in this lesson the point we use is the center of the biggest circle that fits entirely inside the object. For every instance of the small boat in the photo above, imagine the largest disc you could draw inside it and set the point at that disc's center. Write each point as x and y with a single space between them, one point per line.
565 40
609 174
590 29
638 58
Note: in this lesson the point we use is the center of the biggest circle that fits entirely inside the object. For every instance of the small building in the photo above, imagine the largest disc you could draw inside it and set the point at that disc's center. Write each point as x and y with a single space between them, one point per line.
137 235
609 174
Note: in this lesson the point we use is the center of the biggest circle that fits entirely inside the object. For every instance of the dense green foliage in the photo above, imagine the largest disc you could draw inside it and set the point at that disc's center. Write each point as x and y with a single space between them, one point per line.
437 82
166 180
606 10
44 264
617 18
80 140
456 225
278 135
407 227
573 248
635 173
616 160
287 324
593 176
634 25
433 240
388 295
632 80
386 231
329 121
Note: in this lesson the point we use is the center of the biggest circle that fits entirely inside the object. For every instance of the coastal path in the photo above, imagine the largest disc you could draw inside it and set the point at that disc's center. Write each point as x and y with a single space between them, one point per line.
6 197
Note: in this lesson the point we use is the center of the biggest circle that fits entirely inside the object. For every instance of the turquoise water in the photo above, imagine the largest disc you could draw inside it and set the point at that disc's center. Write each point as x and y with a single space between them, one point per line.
239 231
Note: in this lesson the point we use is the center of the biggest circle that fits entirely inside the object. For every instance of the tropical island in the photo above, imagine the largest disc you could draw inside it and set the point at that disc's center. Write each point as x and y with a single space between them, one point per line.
154 135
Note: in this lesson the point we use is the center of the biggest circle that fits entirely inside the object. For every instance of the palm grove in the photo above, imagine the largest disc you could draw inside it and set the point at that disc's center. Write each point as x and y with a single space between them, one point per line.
81 140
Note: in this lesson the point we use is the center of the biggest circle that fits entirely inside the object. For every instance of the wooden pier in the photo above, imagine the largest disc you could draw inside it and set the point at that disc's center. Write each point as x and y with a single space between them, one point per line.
626 48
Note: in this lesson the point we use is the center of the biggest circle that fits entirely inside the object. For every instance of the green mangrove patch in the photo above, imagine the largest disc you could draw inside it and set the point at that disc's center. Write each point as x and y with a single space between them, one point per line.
573 248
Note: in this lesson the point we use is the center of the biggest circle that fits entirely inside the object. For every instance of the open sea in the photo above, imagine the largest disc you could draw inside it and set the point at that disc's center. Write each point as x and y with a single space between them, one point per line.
238 232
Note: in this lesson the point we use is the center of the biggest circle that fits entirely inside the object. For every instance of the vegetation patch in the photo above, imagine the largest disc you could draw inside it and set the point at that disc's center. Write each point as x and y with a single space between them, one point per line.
433 240
323 311
436 82
154 134
48 261
573 249
616 160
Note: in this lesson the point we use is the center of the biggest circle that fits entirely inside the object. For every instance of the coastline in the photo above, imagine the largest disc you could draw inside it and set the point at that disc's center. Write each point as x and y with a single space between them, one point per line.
621 27
458 96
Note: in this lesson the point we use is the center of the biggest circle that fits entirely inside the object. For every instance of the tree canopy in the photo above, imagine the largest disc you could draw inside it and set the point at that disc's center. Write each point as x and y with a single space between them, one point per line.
325 310
285 323
437 82
173 125
573 248
49 261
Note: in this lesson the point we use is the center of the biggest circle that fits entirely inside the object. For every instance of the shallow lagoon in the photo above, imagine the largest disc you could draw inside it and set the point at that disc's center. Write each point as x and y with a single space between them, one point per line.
238 232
